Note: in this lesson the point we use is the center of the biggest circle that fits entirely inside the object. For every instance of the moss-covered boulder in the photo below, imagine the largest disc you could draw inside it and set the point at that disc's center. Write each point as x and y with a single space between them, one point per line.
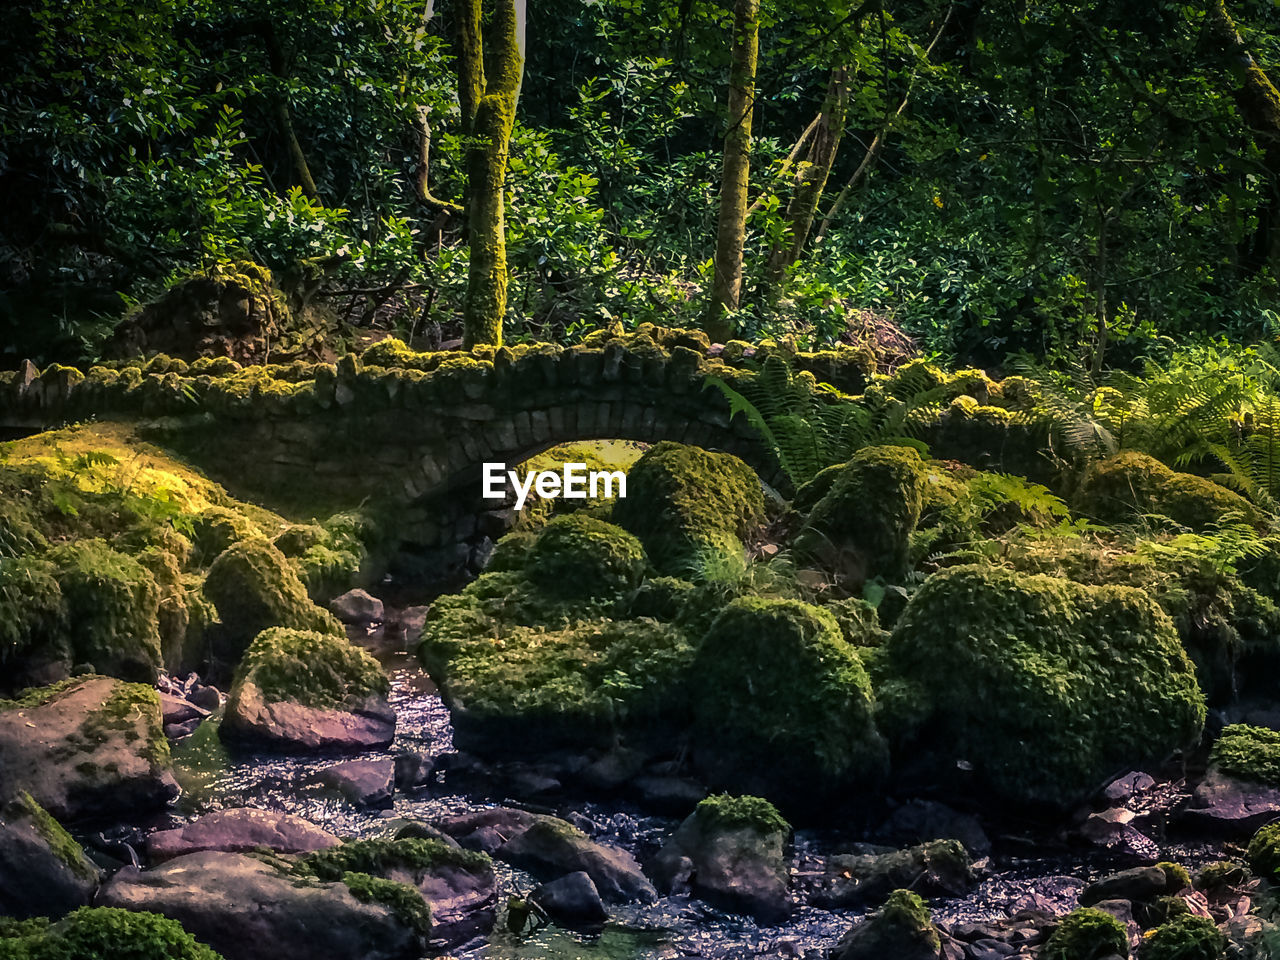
106 933
112 602
456 884
1087 933
861 880
214 529
34 644
903 929
1264 852
1240 790
254 587
579 556
1042 686
690 507
735 846
1185 938
862 525
783 706
87 748
514 689
261 908
299 691
1129 485
43 871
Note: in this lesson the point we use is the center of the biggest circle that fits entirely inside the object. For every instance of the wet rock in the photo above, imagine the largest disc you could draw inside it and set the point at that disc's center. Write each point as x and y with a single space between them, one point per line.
676 796
365 783
251 910
206 697
1117 829
1124 787
613 769
1224 806
240 830
919 821
1122 910
902 929
1137 883
357 607
413 771
177 710
487 830
416 830
178 731
93 748
294 728
43 872
1052 897
573 901
551 848
413 619
1249 938
940 868
734 860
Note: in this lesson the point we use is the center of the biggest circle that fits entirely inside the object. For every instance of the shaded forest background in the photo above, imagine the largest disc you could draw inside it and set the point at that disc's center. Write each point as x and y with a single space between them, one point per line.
1012 175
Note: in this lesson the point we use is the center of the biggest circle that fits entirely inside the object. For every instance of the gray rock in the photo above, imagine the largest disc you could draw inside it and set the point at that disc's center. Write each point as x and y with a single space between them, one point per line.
1226 807
919 821
550 848
250 910
240 830
573 901
1136 883
293 728
889 933
1122 910
940 868
735 866
88 753
179 731
357 607
43 872
206 697
365 783
413 771
613 769
676 796
176 710
1122 788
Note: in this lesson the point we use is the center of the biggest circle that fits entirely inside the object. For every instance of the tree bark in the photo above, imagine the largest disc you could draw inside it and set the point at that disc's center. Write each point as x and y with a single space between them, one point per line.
488 93
812 174
1260 104
280 106
726 284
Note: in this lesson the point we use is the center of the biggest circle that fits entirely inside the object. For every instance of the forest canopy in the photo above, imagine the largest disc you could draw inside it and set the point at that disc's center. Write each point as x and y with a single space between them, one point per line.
1074 180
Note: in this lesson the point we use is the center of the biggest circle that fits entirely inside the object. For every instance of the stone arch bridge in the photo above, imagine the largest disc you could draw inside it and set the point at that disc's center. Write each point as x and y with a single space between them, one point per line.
409 429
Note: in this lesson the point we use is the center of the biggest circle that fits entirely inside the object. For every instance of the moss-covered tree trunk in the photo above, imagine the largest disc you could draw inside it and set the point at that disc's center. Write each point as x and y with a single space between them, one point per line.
1260 104
488 91
726 284
812 175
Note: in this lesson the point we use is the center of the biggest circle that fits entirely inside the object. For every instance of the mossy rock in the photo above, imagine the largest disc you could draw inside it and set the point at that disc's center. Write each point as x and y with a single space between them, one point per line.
107 933
311 669
727 812
254 587
511 551
689 506
662 598
1184 938
1087 934
862 525
217 528
514 689
1130 485
579 556
1264 852
903 929
1248 753
33 615
112 603
1044 686
43 871
783 705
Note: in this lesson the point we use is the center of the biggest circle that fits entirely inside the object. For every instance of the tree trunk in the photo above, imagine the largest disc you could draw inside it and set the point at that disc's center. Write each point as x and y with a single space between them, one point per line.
726 285
812 174
280 105
1260 104
488 95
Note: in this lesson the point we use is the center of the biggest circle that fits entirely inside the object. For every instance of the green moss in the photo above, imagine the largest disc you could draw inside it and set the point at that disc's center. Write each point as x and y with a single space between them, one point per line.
777 689
903 927
313 669
1222 874
662 598
511 551
1086 934
1264 852
1044 686
726 811
108 933
253 587
120 713
112 603
38 696
1185 938
1248 753
403 900
379 857
687 504
858 621
61 843
862 526
579 556
516 688
1179 878
33 616
217 528
1131 484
